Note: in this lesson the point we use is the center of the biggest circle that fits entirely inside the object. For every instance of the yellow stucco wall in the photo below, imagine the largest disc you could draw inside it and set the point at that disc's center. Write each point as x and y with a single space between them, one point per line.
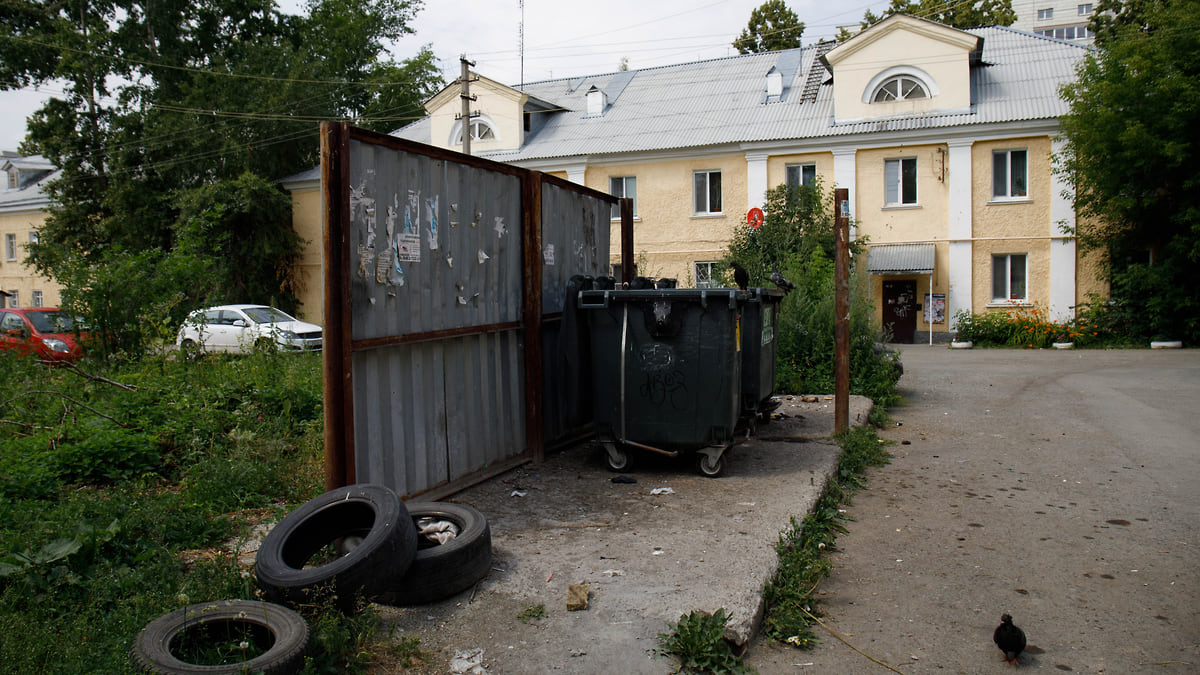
14 274
935 54
307 218
498 105
668 237
1011 226
896 224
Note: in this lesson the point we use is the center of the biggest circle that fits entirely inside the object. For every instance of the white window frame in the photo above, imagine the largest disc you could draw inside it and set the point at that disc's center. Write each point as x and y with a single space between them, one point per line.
806 173
1085 9
622 189
36 298
1045 14
894 183
33 237
1005 178
1003 263
482 130
907 88
14 299
10 246
707 208
705 279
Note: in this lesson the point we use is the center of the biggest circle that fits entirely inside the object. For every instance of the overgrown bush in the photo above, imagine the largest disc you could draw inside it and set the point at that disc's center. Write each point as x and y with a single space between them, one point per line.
797 239
117 495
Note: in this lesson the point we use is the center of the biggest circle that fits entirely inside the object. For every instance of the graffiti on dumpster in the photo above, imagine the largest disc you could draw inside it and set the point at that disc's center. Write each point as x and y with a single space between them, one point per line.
665 387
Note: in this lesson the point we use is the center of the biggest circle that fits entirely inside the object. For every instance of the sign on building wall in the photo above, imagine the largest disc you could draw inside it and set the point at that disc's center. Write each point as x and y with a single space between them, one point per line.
935 308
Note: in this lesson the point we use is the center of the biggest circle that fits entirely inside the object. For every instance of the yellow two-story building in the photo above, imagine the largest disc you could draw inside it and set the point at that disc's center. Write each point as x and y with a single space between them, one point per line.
943 138
24 206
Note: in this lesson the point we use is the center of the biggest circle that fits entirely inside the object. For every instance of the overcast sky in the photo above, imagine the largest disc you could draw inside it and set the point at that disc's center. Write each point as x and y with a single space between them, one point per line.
562 38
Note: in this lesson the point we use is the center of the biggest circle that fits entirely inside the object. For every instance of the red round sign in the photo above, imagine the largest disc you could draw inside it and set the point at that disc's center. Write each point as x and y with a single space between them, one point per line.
755 217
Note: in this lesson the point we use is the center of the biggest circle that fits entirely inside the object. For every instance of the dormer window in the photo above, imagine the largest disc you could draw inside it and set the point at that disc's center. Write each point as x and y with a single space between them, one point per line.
900 88
596 102
13 179
481 130
774 85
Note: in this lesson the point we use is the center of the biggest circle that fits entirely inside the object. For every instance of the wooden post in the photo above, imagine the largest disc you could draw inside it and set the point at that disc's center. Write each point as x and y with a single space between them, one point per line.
335 355
532 261
627 263
841 312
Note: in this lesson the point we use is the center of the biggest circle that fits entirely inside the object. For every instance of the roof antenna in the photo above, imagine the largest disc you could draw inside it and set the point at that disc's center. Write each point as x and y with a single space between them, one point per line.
521 40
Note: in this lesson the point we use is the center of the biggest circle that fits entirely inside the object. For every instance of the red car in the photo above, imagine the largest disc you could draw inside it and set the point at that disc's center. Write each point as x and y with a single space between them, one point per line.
48 332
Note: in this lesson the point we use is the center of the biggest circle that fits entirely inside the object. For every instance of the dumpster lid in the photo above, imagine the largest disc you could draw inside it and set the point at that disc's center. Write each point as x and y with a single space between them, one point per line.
900 259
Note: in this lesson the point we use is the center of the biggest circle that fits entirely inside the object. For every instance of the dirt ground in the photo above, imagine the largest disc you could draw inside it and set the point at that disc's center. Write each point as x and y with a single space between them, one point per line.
650 551
1061 487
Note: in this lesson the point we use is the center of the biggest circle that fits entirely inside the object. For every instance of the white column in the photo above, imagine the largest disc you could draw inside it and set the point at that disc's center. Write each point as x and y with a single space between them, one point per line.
756 180
958 229
845 175
577 174
1062 248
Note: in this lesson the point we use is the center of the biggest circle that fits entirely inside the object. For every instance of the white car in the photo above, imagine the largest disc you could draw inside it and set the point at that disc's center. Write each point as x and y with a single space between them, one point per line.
245 328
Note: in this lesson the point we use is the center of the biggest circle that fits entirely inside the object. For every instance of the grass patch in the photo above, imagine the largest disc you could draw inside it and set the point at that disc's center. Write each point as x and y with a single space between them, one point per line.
698 641
804 547
532 613
113 477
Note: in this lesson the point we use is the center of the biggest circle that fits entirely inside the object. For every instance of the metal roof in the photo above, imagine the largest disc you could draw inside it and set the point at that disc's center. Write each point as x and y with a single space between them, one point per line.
900 259
721 101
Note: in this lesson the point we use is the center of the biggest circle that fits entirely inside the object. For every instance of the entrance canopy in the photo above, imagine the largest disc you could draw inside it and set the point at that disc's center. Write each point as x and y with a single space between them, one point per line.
900 259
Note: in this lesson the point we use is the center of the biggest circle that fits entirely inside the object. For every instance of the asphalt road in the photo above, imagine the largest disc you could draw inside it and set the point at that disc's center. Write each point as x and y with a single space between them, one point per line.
1062 487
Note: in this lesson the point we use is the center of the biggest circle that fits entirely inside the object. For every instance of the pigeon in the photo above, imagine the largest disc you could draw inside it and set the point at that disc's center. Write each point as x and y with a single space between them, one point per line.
740 275
779 280
1010 639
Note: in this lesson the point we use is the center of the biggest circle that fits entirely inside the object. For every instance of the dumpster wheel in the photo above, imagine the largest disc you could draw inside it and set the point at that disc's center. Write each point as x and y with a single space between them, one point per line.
618 458
710 461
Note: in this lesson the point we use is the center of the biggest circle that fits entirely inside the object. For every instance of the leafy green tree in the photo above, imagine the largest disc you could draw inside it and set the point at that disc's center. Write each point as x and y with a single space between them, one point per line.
956 13
162 97
797 239
1132 157
1110 17
773 26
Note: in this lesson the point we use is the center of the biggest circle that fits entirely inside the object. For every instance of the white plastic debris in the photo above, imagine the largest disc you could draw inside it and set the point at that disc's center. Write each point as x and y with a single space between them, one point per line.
435 530
468 662
662 491
517 493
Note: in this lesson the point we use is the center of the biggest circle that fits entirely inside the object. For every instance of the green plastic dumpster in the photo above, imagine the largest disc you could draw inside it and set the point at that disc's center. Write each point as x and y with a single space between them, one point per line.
666 372
760 321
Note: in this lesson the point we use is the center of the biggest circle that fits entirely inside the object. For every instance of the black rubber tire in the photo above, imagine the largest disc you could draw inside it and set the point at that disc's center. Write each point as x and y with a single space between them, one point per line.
189 349
151 650
387 549
708 468
442 570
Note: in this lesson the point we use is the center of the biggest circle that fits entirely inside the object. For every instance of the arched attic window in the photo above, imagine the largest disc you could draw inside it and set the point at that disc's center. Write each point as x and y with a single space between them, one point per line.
481 130
900 88
900 83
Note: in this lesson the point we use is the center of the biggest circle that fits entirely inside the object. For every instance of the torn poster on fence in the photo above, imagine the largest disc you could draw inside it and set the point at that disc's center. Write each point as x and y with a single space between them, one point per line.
432 205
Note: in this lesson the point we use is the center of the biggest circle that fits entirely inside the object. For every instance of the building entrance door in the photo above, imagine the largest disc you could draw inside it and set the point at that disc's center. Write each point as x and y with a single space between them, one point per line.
900 310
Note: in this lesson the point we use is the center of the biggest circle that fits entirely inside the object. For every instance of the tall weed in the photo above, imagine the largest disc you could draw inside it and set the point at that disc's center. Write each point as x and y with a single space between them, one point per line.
115 500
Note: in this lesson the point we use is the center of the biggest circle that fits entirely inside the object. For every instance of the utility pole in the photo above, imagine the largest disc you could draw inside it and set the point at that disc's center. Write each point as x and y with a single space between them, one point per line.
465 81
841 312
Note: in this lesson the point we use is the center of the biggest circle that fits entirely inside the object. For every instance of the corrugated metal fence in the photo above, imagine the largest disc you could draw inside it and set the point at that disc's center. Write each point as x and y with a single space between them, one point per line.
438 267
